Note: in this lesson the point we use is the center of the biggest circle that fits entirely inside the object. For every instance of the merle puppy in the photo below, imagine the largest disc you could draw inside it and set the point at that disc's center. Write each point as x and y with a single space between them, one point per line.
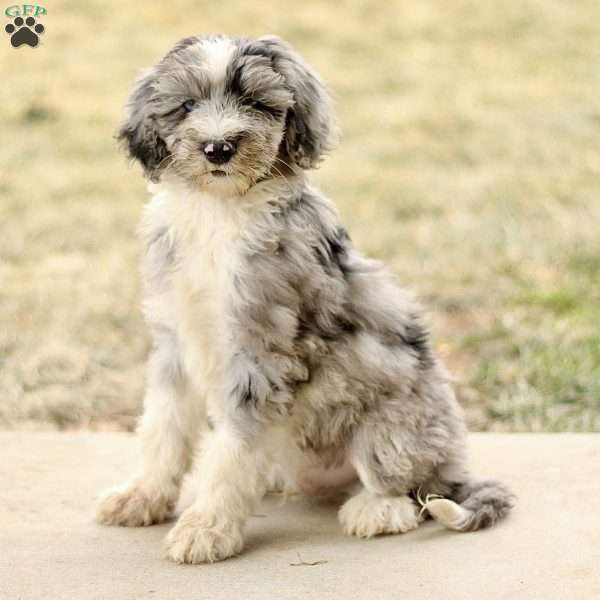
279 350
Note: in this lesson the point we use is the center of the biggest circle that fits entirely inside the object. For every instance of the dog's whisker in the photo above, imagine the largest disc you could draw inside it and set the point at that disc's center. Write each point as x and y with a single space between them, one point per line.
287 183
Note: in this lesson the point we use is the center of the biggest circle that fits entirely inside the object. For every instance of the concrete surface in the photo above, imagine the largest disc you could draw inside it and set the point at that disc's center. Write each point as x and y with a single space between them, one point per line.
51 548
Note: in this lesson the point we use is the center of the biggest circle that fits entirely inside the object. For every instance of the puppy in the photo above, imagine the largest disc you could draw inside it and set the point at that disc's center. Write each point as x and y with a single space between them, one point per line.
279 350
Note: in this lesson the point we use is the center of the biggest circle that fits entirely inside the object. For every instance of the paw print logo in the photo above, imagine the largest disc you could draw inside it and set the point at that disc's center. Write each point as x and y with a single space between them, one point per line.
24 32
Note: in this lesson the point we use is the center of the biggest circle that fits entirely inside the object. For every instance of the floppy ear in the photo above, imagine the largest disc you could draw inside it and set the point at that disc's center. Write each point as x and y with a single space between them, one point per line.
138 133
310 126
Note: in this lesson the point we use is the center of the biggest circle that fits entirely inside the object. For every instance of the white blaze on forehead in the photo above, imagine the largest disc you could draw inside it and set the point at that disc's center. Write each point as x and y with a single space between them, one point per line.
218 54
217 124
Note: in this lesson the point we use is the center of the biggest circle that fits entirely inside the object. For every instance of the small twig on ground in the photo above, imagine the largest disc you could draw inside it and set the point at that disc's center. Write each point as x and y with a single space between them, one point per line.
303 563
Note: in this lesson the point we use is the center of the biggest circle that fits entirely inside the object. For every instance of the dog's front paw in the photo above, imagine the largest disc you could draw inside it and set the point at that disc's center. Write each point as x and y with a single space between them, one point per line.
196 539
132 506
366 515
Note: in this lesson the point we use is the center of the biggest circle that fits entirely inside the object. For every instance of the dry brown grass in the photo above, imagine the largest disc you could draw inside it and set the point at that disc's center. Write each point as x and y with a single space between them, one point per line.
469 162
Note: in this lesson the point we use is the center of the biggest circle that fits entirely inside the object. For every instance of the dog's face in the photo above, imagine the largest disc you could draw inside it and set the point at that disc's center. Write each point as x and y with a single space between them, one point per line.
226 113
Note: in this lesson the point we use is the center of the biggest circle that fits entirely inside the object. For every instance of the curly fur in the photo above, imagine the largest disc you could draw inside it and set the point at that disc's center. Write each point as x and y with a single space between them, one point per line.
302 354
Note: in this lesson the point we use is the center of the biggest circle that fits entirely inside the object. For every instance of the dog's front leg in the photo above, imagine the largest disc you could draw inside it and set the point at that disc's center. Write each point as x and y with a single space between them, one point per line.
229 483
230 472
167 432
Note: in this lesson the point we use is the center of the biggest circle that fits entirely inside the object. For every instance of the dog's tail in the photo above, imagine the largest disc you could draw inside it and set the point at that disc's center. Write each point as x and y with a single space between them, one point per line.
471 505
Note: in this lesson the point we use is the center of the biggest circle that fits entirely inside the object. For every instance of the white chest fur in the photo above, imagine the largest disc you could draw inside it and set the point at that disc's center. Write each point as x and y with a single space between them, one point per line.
204 230
206 246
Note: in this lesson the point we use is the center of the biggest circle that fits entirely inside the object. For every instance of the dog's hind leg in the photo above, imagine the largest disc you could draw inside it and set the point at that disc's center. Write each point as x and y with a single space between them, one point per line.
167 431
384 504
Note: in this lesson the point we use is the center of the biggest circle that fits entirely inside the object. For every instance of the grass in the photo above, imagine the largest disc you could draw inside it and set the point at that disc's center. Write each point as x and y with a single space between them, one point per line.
468 161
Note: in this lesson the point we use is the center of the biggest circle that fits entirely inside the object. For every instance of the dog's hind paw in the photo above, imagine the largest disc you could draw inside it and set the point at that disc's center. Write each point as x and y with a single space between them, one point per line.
196 539
366 515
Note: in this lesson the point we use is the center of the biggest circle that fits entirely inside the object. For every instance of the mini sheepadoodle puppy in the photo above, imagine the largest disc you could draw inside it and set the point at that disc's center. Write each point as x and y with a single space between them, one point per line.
282 356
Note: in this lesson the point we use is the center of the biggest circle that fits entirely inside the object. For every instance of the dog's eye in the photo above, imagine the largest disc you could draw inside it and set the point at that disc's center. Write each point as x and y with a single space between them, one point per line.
188 105
257 105
262 107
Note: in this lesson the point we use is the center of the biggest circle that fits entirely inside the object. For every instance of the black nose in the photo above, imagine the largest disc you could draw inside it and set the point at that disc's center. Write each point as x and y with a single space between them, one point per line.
218 152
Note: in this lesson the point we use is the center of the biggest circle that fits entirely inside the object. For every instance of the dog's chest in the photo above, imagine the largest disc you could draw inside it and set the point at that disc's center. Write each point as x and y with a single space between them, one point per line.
206 239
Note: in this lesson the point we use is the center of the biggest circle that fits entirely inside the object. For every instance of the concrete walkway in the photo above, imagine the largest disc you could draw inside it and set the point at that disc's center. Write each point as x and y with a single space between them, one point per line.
50 547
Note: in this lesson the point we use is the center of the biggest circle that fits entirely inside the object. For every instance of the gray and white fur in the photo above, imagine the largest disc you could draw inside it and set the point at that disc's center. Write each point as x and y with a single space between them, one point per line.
282 356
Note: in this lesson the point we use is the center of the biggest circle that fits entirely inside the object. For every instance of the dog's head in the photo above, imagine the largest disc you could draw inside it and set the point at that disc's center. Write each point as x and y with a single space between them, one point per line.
227 113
